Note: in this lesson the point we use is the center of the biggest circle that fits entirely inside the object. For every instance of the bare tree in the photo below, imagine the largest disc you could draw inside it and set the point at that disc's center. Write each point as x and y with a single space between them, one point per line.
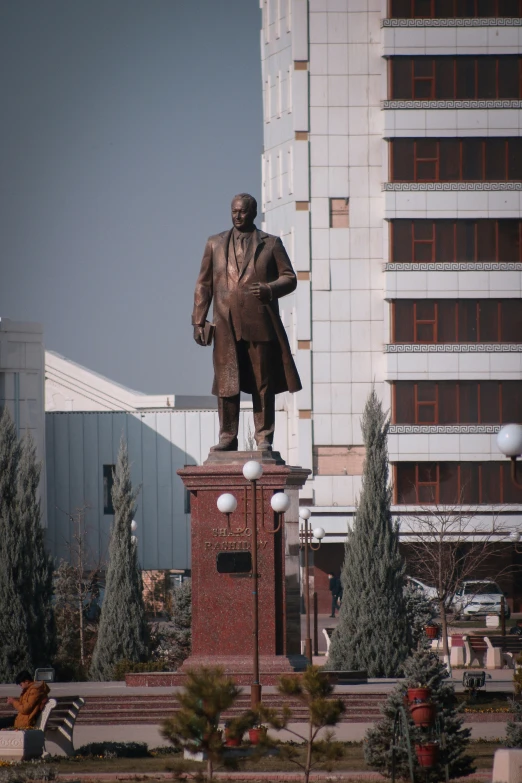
448 544
78 583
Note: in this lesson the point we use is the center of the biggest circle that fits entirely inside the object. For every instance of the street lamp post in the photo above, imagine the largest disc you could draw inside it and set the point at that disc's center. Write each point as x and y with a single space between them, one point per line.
306 543
509 442
227 504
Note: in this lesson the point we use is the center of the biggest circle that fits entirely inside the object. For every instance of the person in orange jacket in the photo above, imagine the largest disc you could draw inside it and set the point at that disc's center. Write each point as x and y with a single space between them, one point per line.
29 705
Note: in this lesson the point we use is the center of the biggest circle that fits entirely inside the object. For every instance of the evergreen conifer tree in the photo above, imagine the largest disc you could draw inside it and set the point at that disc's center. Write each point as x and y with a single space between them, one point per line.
514 727
38 577
422 669
26 570
372 629
419 611
123 632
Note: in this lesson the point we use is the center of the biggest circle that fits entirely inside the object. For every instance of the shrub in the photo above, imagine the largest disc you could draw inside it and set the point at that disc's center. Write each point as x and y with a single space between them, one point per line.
120 750
132 667
23 773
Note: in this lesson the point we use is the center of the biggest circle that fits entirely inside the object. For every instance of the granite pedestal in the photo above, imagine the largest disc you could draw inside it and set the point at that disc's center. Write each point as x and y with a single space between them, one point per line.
222 604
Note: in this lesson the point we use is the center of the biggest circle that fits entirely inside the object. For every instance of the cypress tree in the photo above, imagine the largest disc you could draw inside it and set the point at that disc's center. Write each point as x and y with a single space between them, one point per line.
38 577
422 668
123 632
372 632
26 570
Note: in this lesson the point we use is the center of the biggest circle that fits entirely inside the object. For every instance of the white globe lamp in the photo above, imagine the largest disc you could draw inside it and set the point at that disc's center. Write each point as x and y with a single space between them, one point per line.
280 502
319 533
252 470
134 525
515 536
509 440
227 503
134 539
305 513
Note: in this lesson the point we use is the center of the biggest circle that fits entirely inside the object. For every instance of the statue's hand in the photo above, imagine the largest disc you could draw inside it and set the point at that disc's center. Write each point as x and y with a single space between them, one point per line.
262 291
199 335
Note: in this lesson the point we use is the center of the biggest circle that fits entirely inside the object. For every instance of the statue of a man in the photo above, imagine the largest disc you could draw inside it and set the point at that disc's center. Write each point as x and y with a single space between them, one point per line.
245 271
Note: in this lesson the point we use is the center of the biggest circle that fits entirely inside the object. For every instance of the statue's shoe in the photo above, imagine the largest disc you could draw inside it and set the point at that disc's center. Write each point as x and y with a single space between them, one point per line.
264 446
225 445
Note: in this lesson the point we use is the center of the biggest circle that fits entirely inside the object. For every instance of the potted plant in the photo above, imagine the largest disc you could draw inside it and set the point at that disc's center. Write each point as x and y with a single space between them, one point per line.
432 631
256 733
419 694
427 754
232 738
423 714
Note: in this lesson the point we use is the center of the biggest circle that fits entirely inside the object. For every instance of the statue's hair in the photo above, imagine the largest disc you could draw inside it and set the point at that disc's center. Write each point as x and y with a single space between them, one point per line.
252 203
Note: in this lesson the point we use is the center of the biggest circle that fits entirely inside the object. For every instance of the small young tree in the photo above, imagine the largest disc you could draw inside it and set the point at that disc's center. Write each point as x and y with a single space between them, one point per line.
75 598
447 545
313 689
372 633
123 632
422 669
208 693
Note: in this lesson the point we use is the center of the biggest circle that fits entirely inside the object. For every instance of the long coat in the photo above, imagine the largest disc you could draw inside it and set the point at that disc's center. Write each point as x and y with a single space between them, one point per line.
269 263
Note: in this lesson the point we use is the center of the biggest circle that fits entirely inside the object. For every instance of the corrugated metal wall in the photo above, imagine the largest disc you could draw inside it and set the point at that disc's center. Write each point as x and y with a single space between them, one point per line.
160 443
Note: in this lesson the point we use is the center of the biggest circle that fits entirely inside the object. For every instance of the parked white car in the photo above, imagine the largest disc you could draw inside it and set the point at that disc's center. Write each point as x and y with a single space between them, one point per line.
478 597
429 592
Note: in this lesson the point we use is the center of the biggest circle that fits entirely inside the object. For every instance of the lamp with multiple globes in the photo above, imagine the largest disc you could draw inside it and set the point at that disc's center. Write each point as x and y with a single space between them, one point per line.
306 544
227 504
509 442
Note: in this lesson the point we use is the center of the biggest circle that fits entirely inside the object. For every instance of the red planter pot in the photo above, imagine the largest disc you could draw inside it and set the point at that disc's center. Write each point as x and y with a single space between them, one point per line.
255 735
423 714
427 754
431 631
417 695
232 742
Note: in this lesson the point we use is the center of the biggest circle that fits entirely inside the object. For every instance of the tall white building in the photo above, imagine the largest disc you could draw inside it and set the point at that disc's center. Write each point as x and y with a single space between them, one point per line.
392 170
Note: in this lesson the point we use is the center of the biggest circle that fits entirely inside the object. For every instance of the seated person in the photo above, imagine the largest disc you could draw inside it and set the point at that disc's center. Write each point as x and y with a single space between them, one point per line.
29 705
517 629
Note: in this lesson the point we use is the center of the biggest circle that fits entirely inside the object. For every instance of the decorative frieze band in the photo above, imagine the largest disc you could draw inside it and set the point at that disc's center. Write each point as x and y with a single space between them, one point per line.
453 348
451 104
442 429
457 266
486 21
422 186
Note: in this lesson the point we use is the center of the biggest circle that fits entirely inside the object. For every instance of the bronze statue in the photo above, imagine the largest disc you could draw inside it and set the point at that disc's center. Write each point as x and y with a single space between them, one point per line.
245 271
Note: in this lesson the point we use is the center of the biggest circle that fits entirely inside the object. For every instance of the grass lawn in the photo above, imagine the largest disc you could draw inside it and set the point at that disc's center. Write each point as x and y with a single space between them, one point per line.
353 761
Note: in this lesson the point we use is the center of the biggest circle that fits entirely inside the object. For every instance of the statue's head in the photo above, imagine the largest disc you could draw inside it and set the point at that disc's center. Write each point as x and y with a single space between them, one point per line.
244 211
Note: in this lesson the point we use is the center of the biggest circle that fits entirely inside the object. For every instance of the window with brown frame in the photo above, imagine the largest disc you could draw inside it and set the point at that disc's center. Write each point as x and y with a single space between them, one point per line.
451 9
487 77
339 213
451 483
456 402
425 241
456 160
456 321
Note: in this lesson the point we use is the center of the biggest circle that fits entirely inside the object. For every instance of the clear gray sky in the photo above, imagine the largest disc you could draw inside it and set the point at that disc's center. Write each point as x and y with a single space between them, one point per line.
127 126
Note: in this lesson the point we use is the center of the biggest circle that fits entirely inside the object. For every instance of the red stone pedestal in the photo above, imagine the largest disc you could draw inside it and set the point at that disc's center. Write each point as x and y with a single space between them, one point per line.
222 604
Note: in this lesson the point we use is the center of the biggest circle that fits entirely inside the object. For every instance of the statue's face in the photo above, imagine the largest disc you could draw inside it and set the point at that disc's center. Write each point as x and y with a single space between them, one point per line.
242 214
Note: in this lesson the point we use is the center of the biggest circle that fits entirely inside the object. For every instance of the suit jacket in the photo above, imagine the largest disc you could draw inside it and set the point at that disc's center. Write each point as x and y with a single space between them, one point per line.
256 322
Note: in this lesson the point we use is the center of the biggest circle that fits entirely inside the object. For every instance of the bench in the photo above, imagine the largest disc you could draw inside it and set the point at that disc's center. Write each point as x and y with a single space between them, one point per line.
57 721
327 633
502 650
475 650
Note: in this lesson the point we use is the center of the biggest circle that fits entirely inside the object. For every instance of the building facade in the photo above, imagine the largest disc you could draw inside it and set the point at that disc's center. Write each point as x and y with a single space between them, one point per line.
22 386
86 416
392 170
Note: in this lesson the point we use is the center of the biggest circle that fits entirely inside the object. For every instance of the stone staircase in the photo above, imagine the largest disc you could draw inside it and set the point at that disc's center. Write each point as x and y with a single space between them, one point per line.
145 709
